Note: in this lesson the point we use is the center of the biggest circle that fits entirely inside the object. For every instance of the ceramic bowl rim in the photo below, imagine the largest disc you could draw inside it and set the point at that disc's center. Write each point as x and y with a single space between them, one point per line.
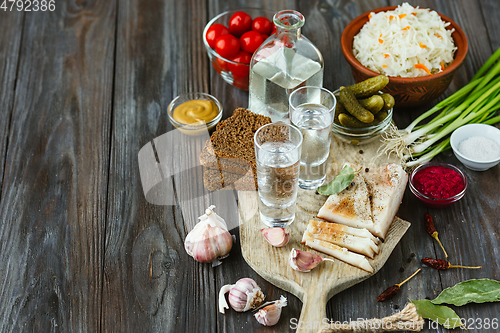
459 58
454 144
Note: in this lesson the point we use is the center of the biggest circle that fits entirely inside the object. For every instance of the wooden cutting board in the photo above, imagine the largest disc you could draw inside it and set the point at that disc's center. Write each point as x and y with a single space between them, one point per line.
313 288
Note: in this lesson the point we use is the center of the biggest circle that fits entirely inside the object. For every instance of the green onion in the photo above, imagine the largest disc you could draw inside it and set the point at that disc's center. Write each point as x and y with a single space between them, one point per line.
474 103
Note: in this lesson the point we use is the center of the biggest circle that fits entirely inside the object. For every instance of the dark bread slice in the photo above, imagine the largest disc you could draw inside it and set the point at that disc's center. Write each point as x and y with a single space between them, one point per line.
232 165
233 139
230 152
215 180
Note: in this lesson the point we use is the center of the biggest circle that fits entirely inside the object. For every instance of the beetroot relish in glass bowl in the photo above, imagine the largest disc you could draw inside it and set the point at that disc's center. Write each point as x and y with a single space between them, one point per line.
438 184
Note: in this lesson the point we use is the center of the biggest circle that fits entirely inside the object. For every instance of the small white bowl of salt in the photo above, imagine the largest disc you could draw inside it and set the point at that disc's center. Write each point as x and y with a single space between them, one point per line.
477 146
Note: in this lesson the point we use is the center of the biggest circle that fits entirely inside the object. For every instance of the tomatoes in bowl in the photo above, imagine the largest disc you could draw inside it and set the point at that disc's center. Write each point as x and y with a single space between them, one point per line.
243 68
215 31
232 61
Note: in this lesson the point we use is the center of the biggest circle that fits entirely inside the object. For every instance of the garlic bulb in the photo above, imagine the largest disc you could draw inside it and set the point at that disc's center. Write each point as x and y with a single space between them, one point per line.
270 315
209 240
304 261
244 295
277 237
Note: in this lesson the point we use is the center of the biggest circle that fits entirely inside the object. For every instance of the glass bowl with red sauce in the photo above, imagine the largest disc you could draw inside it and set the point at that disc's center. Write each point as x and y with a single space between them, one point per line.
438 184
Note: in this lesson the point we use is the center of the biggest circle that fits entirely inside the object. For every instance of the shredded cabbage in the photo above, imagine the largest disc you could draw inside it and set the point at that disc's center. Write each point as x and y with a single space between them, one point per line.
408 42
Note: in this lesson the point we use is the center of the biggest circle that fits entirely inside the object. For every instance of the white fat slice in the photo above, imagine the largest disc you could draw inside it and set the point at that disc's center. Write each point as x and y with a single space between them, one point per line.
321 231
338 252
361 232
350 207
386 186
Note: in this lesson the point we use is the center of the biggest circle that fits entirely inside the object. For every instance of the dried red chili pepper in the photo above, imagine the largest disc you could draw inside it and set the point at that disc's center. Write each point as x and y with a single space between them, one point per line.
393 290
443 264
388 293
431 230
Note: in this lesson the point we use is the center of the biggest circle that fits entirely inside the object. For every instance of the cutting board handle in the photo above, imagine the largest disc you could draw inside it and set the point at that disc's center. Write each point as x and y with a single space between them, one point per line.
313 314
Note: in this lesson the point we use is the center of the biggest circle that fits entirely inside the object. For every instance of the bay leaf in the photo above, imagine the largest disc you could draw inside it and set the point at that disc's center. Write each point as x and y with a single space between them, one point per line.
471 291
444 315
339 183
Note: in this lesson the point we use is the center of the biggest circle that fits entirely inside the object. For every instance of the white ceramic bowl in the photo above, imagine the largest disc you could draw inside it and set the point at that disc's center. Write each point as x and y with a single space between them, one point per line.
467 131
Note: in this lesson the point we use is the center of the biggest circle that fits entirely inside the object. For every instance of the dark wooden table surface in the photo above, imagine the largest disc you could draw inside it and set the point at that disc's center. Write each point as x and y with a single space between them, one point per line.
84 87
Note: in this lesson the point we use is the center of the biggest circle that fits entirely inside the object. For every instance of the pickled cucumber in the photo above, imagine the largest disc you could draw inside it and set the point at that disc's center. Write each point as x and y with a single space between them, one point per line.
369 86
373 103
349 121
352 106
381 115
388 102
339 108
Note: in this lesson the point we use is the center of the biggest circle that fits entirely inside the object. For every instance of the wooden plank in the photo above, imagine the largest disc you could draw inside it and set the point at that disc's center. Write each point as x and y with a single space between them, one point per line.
11 26
487 8
54 191
151 284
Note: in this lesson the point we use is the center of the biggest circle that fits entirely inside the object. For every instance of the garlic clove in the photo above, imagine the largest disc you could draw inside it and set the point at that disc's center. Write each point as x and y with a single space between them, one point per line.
209 240
277 237
270 314
304 261
244 295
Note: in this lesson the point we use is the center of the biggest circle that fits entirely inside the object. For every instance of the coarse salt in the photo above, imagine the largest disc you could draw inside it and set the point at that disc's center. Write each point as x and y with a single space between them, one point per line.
479 148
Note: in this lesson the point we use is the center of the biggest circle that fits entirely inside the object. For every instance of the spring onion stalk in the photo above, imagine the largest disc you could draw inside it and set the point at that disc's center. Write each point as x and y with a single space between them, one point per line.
424 138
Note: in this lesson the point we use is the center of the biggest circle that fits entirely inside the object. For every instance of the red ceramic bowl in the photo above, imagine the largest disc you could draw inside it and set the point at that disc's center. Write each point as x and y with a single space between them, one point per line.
408 92
436 202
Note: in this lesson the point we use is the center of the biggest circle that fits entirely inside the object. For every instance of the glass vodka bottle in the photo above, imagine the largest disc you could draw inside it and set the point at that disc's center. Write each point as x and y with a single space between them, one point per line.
284 62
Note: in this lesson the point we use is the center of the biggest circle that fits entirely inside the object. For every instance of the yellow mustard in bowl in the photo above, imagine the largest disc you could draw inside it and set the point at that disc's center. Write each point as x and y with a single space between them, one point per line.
195 111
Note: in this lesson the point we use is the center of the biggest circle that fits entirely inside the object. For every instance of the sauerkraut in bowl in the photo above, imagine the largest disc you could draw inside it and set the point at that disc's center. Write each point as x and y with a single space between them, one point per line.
406 42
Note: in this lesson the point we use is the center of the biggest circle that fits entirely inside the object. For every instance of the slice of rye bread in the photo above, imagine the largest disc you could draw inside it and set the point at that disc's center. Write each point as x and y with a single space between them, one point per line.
214 180
232 142
232 165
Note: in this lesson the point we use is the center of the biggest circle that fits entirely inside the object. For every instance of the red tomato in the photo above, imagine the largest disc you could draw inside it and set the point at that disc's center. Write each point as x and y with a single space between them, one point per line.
264 37
240 23
262 25
250 41
227 46
239 69
215 31
274 30
241 82
222 65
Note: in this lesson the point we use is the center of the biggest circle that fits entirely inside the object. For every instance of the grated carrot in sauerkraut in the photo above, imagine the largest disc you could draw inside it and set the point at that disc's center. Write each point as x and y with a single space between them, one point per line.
408 42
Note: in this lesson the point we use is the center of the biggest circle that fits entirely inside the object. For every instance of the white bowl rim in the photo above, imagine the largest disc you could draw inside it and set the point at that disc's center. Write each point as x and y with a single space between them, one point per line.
454 144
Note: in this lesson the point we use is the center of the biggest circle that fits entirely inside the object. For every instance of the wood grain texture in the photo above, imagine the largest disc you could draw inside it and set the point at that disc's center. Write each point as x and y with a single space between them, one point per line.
81 250
11 26
151 284
53 196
